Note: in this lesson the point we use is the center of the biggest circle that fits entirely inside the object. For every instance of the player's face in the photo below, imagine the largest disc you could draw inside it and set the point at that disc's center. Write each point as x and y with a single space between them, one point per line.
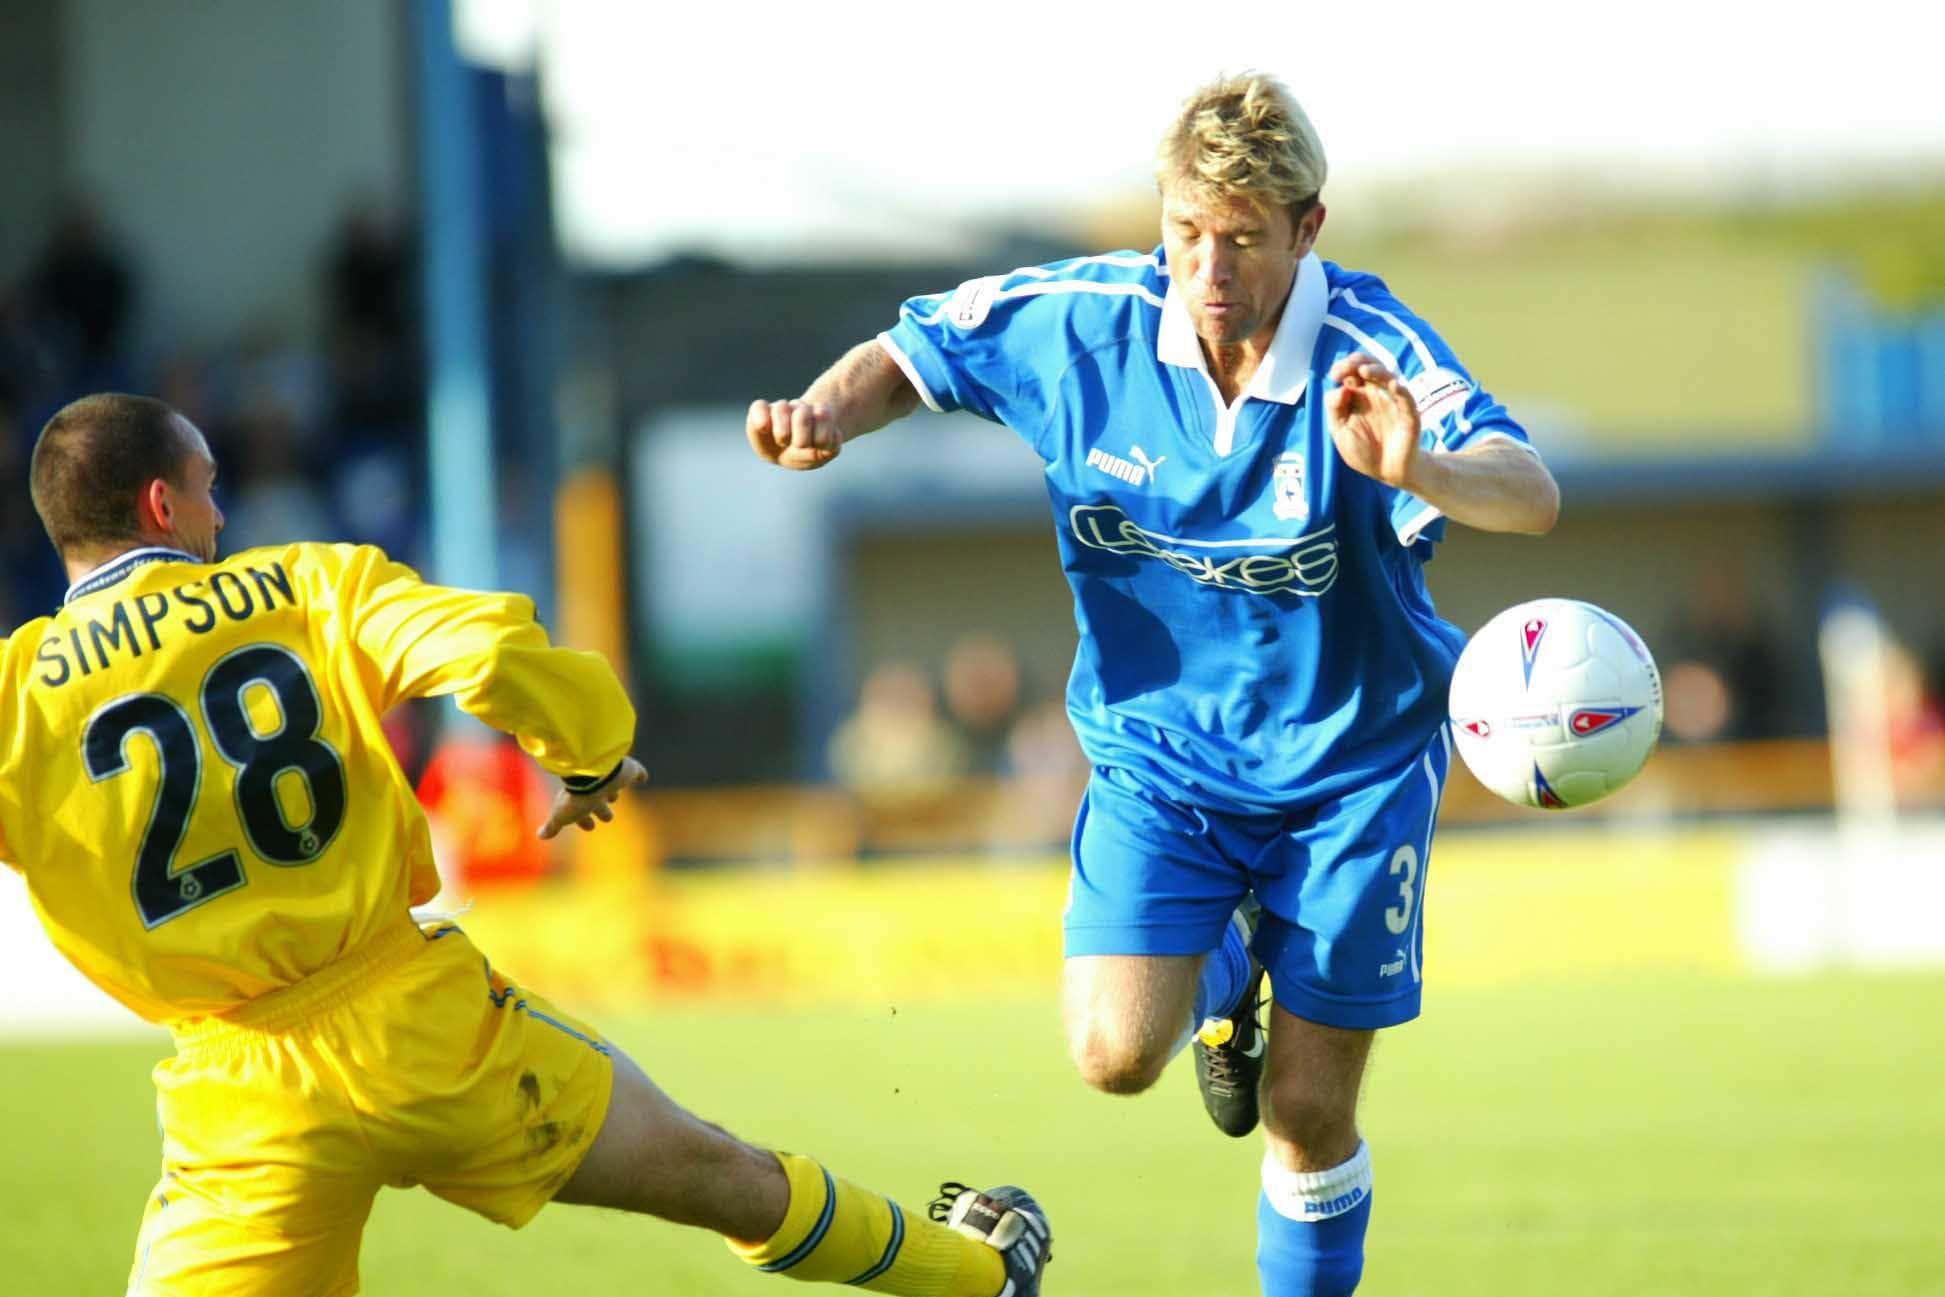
194 518
1233 262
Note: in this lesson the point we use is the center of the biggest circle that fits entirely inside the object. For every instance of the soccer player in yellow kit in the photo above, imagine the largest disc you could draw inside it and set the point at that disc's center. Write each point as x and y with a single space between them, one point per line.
212 827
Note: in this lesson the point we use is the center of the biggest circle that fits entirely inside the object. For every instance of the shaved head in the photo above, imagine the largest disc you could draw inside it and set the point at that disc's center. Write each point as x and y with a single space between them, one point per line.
94 460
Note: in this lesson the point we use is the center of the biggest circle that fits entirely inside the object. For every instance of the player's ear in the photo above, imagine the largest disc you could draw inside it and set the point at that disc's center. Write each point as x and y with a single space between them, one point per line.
1309 225
156 511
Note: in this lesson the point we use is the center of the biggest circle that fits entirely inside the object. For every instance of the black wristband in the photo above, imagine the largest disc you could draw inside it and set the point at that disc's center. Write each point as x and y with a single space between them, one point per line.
582 785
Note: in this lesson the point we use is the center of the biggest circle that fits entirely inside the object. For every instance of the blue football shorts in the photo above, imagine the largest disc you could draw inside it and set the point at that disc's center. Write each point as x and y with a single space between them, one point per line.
1342 885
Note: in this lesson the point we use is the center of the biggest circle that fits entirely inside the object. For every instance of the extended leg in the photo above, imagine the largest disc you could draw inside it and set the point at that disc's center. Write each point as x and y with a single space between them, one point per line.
1316 1199
785 1214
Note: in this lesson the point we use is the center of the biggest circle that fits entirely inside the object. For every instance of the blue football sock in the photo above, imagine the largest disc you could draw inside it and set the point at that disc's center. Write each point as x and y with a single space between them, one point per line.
1225 977
1310 1228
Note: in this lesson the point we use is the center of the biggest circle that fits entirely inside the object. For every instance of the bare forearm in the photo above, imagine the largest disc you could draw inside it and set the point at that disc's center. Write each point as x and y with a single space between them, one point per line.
1496 487
865 390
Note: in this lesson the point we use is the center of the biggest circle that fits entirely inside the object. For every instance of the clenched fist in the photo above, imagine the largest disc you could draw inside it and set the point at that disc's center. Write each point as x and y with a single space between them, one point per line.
794 434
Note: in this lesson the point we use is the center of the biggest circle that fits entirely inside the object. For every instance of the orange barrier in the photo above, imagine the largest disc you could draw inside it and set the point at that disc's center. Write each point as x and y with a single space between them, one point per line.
813 826
812 823
1719 778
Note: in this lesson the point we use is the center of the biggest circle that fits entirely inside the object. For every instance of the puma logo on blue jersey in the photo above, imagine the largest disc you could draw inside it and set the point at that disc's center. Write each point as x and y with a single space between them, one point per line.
1140 473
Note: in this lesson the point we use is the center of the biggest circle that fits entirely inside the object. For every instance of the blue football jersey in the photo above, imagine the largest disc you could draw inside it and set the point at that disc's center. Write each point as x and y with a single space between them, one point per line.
1255 631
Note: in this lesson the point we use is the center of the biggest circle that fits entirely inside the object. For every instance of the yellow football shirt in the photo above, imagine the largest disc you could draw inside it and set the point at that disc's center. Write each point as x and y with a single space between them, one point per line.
192 775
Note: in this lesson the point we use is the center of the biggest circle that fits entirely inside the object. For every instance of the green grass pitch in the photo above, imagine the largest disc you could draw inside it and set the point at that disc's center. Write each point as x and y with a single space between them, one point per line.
1671 1136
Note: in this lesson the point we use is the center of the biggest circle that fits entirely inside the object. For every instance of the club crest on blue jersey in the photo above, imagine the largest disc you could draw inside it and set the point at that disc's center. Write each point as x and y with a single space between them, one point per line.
1286 481
1592 720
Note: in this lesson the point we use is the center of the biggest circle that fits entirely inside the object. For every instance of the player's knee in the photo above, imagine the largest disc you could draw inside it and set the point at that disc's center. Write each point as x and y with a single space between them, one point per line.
1295 1113
1118 1065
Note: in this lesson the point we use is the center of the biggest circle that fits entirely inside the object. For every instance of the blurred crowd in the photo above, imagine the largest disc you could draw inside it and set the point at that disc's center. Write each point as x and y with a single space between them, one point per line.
911 740
1724 672
317 438
919 739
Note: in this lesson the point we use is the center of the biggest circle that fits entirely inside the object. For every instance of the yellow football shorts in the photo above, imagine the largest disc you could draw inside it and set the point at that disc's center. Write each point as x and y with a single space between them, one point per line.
407 1062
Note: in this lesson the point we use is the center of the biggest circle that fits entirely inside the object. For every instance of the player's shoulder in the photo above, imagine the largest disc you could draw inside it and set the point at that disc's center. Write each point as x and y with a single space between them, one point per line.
1108 283
1363 314
331 558
322 568
1127 267
1102 289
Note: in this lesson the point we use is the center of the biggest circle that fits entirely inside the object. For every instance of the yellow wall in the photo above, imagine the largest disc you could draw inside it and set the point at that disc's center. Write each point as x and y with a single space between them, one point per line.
1509 906
1500 907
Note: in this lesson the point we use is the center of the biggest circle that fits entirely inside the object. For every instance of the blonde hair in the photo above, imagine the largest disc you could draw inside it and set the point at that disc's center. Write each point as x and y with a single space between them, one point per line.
1243 136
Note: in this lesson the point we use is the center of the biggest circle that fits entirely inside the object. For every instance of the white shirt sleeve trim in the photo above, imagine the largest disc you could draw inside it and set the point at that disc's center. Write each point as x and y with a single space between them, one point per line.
1039 287
1415 525
904 362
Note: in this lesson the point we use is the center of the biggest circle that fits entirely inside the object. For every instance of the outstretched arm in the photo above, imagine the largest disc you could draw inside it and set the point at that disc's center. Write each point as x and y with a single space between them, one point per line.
566 708
1494 487
862 392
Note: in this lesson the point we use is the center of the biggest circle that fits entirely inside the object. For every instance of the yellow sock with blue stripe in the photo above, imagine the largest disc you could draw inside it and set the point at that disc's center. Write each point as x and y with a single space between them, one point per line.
835 1232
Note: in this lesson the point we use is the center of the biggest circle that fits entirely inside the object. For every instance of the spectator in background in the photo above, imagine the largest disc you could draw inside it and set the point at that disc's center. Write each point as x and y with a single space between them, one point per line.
1046 772
895 748
1724 677
1915 729
79 295
33 583
370 288
1698 706
982 698
375 379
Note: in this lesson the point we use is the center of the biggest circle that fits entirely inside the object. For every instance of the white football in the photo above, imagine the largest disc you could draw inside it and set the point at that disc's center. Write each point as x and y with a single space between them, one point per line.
1555 703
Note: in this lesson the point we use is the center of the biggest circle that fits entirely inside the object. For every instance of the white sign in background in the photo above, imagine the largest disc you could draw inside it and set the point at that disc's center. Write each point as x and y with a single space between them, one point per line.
45 995
1820 896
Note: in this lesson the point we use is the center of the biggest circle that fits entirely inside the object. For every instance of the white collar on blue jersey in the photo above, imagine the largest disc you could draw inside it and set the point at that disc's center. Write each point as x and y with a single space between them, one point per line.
1285 370
106 574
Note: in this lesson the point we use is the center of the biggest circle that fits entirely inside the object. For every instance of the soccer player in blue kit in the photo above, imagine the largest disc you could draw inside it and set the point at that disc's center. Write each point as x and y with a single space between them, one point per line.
1251 453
